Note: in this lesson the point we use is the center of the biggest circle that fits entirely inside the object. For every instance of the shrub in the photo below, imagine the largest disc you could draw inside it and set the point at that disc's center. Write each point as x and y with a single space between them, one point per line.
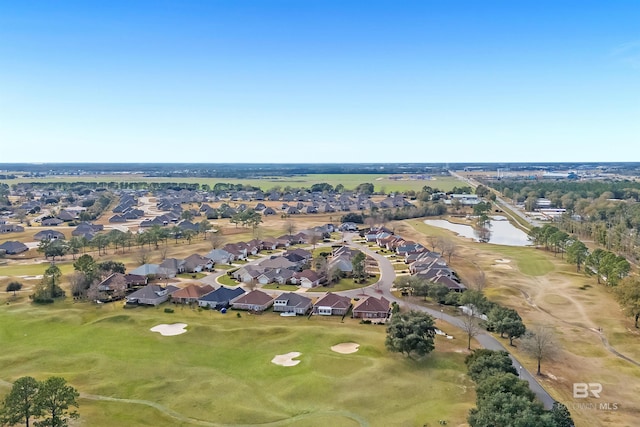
168 310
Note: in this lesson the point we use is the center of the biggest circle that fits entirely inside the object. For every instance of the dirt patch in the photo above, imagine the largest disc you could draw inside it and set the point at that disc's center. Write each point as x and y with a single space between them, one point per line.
286 359
170 330
345 348
502 266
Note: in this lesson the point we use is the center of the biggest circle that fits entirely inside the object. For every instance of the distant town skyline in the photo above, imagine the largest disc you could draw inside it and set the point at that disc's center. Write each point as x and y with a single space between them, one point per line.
288 81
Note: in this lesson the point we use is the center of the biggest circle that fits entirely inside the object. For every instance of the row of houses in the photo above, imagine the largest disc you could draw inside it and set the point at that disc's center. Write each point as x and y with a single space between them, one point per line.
292 267
422 262
258 301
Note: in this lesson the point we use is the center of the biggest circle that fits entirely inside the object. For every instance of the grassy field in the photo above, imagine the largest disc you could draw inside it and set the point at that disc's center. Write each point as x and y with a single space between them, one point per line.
219 372
381 182
547 291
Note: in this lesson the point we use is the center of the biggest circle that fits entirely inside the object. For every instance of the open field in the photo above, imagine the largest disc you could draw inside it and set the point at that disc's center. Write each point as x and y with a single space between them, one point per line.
546 291
220 373
381 182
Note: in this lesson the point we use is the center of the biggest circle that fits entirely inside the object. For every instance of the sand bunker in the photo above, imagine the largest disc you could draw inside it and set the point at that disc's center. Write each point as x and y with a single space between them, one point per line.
502 264
345 348
170 330
286 359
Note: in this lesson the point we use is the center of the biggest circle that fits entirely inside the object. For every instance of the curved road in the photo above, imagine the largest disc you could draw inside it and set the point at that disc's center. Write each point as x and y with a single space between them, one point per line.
383 287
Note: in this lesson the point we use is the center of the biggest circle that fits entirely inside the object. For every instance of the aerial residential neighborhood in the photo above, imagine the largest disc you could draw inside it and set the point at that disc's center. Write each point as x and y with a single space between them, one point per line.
319 213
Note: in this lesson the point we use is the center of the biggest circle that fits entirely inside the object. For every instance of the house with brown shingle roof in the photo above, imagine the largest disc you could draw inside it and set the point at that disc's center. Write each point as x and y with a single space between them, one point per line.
255 300
306 279
115 284
372 308
332 305
190 294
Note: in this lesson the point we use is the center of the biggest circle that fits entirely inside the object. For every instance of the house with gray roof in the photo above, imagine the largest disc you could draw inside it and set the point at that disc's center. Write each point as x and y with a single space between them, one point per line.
278 262
48 235
248 273
291 302
151 295
196 263
13 247
220 298
220 256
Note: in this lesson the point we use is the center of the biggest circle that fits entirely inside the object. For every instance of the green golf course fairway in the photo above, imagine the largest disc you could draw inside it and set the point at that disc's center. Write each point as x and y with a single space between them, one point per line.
219 373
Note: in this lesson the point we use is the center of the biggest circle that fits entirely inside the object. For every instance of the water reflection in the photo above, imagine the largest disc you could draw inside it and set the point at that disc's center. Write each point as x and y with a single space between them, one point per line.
499 231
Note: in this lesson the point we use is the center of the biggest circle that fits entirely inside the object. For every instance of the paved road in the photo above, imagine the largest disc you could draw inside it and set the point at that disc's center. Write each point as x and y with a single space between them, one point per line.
499 201
383 287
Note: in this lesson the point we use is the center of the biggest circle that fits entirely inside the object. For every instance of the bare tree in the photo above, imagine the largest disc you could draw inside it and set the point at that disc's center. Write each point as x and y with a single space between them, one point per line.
448 248
540 344
433 242
478 281
314 239
470 326
216 239
79 284
93 293
322 266
163 252
370 221
142 256
290 227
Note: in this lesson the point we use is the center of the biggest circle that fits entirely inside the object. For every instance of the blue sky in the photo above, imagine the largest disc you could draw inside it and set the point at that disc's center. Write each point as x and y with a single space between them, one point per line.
319 81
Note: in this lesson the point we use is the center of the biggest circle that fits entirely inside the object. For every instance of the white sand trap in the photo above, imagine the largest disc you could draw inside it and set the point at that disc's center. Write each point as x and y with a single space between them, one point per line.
345 347
170 330
503 261
286 359
502 266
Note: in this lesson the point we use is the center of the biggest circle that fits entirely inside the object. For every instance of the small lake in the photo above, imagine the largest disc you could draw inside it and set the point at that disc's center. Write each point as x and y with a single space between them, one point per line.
500 232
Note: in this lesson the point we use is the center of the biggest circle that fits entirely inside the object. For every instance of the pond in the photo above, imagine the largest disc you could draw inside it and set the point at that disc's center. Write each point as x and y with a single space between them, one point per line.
499 232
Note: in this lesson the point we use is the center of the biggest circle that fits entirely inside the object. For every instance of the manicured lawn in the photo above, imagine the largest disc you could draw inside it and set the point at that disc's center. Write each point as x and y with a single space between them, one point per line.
14 270
224 267
227 280
220 371
283 288
345 285
400 267
531 261
191 275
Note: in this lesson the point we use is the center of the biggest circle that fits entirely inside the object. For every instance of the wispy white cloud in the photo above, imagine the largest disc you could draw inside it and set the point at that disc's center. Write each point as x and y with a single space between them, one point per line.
628 53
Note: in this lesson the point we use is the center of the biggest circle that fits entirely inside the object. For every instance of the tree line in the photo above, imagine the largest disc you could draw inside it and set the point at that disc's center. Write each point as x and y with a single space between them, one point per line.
606 212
